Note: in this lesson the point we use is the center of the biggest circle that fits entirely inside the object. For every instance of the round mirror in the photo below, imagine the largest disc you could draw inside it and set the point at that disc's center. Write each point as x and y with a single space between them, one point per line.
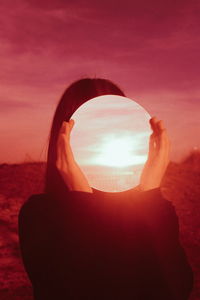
110 142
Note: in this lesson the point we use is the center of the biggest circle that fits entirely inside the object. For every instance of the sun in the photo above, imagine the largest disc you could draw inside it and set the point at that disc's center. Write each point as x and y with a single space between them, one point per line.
116 152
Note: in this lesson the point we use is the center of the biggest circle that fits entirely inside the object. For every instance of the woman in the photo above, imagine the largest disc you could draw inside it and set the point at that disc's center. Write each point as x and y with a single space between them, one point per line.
80 243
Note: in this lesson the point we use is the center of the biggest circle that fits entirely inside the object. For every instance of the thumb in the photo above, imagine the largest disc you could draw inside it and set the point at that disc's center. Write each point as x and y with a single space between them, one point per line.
64 126
71 124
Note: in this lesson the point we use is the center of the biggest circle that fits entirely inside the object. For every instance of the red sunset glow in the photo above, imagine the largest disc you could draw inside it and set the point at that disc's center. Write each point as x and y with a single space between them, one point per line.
149 48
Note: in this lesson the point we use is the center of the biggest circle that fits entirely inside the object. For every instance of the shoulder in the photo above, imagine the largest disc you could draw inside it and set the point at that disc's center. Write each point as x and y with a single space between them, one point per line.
33 203
33 199
33 216
157 211
152 204
153 198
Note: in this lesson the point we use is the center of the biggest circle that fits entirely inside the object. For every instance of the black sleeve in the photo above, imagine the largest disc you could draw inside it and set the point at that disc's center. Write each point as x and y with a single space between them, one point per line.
33 232
161 221
46 240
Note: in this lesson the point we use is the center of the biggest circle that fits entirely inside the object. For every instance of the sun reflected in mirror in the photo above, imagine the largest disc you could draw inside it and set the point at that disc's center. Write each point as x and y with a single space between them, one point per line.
110 141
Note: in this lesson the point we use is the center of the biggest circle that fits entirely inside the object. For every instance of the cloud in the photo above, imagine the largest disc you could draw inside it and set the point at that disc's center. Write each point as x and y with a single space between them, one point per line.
149 48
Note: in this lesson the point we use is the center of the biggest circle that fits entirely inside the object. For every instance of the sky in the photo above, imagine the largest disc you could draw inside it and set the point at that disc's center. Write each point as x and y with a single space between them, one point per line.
149 48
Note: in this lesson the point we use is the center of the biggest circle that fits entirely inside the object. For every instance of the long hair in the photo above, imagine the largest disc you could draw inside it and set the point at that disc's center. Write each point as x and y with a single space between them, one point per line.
74 96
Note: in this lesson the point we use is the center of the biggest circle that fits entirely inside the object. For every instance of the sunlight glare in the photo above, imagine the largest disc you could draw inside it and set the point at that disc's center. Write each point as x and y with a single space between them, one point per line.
116 152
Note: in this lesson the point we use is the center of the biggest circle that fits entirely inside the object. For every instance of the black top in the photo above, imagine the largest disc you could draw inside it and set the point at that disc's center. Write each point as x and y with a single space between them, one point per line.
104 246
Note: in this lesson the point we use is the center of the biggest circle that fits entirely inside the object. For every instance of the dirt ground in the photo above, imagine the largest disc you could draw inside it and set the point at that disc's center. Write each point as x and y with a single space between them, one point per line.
181 185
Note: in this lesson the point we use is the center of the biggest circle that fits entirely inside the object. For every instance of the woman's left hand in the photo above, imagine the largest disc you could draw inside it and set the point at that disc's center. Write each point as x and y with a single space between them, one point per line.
158 157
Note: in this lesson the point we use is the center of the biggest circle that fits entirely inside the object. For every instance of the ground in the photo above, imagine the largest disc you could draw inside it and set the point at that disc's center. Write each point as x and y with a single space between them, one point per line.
181 185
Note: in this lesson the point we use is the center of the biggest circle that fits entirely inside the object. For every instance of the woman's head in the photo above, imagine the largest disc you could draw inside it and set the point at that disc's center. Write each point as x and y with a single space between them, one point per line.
74 96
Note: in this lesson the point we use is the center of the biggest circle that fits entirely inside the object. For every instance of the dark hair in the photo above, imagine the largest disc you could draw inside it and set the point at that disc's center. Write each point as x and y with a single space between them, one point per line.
74 96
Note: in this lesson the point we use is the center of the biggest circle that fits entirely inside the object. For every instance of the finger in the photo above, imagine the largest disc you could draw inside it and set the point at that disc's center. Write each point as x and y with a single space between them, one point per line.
153 122
162 140
64 127
161 134
164 149
152 147
154 126
71 124
160 125
167 147
67 127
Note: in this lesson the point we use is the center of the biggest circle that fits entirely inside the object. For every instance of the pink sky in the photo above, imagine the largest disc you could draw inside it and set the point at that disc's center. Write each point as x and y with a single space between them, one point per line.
149 48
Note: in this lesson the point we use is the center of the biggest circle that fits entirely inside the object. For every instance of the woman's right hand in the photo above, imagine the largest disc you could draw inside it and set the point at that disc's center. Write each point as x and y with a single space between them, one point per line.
158 157
65 157
65 162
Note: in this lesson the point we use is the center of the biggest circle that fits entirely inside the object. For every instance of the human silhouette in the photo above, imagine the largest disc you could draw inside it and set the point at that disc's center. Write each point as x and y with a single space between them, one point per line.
80 243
